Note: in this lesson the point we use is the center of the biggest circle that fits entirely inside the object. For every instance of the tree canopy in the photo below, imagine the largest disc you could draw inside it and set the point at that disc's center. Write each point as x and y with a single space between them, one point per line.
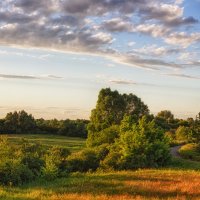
111 107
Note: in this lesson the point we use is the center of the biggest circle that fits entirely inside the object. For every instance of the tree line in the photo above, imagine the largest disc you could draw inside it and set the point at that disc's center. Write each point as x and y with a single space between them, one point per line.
23 123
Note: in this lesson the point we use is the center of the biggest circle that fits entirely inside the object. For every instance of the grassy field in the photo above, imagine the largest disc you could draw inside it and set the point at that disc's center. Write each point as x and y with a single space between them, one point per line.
180 180
125 185
73 144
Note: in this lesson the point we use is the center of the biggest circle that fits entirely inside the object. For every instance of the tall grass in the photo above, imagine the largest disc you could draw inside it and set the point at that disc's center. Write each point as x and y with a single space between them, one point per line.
124 185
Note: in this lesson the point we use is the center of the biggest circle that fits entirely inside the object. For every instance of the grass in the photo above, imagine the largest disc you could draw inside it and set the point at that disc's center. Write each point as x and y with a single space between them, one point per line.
190 151
124 185
183 164
73 144
180 180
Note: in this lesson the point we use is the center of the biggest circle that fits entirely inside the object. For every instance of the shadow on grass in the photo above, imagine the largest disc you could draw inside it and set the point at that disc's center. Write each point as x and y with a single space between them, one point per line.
132 184
183 164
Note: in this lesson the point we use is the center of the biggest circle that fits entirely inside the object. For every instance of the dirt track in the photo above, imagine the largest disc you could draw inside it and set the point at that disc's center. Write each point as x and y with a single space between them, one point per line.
174 151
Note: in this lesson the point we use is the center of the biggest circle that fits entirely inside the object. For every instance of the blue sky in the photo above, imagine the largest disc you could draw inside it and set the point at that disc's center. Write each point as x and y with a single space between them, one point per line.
56 56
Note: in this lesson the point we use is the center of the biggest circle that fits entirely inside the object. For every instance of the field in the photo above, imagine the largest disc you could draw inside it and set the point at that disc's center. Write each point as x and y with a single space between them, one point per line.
180 180
73 144
141 184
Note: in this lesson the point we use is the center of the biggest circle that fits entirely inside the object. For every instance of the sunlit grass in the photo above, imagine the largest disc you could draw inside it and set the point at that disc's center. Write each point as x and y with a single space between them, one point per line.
125 185
73 144
190 151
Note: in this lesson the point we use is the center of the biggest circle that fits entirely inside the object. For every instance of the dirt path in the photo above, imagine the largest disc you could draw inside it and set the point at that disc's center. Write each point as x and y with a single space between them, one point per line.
174 151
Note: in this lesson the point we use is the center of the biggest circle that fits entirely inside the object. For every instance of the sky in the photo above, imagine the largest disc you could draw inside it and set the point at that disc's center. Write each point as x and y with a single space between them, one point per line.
55 55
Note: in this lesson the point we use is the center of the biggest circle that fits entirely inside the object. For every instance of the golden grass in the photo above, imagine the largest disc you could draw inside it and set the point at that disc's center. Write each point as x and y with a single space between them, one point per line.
125 185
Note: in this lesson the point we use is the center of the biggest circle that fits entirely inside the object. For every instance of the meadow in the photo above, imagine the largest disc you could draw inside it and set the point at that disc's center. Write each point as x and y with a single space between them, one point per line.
125 185
179 180
71 143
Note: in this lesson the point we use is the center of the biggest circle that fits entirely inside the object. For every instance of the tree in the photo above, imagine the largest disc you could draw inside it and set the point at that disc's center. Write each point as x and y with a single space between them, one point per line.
165 119
166 114
19 122
111 107
196 129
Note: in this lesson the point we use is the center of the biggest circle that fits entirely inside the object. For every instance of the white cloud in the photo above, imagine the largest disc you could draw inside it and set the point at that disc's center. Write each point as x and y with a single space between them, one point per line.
152 29
182 39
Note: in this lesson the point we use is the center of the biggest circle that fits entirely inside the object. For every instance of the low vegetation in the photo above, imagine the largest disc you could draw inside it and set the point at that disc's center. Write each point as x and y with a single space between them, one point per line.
190 151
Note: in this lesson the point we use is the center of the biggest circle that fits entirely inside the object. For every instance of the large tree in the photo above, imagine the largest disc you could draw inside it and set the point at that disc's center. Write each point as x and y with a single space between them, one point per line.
111 108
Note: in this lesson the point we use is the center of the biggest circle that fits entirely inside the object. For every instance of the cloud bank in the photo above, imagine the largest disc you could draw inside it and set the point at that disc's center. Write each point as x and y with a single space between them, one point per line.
94 26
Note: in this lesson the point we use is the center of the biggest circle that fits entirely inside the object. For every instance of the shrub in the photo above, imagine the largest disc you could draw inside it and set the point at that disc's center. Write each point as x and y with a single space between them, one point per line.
14 173
107 136
190 151
183 134
142 145
25 162
55 161
83 161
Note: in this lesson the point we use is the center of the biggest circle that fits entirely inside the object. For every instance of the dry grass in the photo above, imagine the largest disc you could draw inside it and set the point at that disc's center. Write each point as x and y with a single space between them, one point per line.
141 184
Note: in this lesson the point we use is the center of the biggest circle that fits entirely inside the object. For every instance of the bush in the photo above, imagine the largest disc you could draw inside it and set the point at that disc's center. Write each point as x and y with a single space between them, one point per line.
183 134
14 173
25 162
55 161
83 161
190 151
107 136
142 145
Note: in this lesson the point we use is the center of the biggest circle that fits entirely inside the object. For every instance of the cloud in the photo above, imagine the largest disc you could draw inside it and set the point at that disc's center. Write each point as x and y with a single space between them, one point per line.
130 44
154 50
122 82
29 77
95 26
182 21
118 25
152 29
167 14
182 39
145 63
184 76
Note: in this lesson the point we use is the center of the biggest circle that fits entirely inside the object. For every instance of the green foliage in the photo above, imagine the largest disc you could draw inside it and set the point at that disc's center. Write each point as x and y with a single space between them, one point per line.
71 143
196 129
142 145
111 108
27 161
55 161
171 136
107 135
19 122
165 119
184 134
71 128
12 172
190 151
23 123
82 161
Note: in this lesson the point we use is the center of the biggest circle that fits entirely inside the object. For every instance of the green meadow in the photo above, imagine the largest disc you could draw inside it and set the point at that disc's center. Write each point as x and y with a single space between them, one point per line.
72 143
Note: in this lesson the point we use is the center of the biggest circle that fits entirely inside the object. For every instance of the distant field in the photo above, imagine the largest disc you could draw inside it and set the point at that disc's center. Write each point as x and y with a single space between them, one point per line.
125 185
73 144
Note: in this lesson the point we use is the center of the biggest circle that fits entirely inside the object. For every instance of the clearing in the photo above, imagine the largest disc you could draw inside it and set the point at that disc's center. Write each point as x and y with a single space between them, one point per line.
72 143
